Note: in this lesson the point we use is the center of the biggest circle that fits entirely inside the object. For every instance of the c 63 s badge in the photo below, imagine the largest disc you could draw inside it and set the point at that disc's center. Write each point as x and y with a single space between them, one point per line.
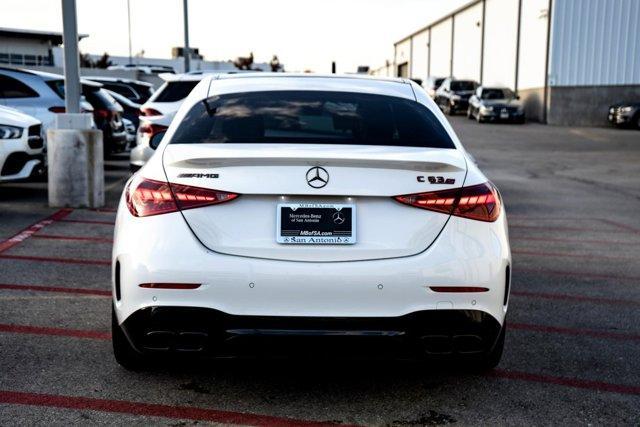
436 179
198 175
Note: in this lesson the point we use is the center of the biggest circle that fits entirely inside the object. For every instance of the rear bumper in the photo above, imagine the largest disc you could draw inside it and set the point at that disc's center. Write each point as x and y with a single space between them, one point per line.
162 249
207 332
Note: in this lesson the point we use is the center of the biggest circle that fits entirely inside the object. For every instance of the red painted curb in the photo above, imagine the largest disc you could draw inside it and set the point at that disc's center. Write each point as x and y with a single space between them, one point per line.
61 332
570 255
586 275
150 409
580 298
74 238
568 382
29 231
88 221
60 260
40 288
574 331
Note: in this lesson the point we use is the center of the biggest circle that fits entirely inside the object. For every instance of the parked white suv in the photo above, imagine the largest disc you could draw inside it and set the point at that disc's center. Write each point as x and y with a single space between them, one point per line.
21 145
168 98
35 93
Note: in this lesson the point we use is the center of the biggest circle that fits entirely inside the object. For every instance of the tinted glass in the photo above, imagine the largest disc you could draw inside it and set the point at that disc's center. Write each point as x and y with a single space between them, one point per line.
463 85
121 89
99 99
175 91
12 88
497 94
312 117
57 86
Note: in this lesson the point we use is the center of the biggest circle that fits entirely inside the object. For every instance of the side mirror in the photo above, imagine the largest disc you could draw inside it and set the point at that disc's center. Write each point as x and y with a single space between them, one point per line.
155 139
517 96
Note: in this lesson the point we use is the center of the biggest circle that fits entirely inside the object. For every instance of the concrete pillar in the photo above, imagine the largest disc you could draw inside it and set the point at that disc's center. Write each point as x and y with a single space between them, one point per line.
76 167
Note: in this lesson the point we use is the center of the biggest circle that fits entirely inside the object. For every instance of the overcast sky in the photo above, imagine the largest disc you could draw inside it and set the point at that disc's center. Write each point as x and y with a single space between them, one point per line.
305 34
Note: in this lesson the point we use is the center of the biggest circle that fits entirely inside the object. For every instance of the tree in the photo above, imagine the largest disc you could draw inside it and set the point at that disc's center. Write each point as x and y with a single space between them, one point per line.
275 64
104 61
244 62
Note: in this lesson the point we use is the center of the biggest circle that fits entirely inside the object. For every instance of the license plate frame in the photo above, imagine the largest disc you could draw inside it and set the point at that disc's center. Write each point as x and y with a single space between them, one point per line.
304 229
504 114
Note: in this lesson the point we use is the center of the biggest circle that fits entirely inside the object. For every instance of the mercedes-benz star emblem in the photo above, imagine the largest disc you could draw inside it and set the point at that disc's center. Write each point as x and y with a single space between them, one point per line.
317 177
338 218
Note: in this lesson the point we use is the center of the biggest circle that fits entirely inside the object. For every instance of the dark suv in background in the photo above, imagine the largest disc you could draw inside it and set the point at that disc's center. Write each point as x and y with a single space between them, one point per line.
494 104
453 95
134 90
107 114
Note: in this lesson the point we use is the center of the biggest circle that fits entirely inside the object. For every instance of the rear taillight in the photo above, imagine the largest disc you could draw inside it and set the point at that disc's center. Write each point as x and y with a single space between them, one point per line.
103 114
150 130
480 202
146 111
146 197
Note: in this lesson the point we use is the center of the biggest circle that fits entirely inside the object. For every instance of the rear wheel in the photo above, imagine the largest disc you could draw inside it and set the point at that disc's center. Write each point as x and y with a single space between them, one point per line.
491 359
123 352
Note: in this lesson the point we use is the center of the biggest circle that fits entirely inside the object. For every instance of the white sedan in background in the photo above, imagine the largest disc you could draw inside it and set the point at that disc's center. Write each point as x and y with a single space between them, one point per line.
314 211
21 145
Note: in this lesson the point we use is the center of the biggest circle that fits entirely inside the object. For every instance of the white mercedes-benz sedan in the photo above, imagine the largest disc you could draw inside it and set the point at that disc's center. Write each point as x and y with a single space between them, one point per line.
307 213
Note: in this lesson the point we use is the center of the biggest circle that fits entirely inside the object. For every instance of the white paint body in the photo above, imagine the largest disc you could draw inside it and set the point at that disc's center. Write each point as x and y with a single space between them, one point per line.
230 248
11 117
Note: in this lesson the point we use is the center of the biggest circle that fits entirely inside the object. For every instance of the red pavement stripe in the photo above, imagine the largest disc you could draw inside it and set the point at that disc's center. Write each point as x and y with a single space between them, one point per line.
60 332
29 231
580 298
88 221
150 409
78 238
574 331
60 260
570 255
568 382
40 288
586 275
620 225
576 241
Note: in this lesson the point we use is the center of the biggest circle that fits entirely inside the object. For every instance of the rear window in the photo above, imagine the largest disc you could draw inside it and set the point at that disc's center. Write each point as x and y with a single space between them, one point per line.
12 88
463 85
312 117
175 91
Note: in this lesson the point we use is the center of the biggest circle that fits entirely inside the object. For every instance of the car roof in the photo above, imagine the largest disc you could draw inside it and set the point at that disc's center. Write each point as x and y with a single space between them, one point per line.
254 82
117 80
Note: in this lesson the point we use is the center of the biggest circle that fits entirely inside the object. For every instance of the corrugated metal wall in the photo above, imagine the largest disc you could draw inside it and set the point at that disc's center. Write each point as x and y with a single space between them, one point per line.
595 42
441 49
501 26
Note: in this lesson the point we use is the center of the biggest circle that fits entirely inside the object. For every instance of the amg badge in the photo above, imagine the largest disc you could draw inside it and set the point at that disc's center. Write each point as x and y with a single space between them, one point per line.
436 179
198 175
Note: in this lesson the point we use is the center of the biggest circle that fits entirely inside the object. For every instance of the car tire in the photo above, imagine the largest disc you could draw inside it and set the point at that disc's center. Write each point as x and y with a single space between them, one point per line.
479 118
124 353
447 110
637 121
491 359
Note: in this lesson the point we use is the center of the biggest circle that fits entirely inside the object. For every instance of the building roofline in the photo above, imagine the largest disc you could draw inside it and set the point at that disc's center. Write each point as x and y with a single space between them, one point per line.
52 36
439 20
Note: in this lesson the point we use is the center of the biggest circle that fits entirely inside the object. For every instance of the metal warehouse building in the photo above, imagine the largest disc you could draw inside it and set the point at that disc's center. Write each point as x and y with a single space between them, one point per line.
567 59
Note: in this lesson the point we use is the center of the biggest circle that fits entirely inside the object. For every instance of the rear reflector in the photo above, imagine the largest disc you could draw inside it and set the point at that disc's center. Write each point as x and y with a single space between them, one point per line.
480 202
146 197
170 285
458 289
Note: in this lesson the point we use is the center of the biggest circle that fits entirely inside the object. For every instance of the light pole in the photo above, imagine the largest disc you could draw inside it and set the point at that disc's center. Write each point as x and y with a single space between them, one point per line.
71 66
129 22
187 51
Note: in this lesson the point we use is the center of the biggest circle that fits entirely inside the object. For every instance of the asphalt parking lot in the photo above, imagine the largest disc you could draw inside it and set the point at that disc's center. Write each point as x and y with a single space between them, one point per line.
573 199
